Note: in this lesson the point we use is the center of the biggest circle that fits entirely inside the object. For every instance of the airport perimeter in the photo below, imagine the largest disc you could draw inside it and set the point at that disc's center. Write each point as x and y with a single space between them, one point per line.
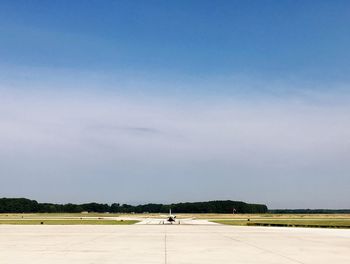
170 244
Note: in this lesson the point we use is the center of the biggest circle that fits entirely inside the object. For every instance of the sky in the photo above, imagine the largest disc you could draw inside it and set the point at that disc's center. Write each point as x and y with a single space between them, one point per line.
172 101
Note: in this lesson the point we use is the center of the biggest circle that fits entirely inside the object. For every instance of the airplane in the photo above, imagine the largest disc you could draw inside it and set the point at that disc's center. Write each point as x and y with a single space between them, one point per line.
171 218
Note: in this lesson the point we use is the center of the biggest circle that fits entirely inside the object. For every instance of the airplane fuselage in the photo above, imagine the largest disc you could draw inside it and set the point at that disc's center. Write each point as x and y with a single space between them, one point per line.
171 219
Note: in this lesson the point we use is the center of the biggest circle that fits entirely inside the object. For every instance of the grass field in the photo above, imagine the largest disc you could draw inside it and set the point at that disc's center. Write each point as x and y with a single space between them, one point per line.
45 221
55 215
64 219
306 221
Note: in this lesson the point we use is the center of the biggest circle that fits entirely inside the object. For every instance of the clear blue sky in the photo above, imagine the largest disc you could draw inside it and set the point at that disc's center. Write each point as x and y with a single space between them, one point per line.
304 38
238 100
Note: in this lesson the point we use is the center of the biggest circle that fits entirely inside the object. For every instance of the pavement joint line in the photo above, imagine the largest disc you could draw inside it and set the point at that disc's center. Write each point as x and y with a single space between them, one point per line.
264 249
165 247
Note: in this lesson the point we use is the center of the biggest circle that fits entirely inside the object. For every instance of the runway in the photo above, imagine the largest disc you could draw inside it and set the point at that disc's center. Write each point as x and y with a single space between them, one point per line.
155 221
172 244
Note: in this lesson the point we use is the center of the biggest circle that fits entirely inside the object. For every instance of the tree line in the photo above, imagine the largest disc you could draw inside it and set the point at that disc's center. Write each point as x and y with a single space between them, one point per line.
23 205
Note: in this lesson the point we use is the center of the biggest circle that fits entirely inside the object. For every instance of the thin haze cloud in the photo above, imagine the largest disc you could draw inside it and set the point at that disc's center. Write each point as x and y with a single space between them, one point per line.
123 149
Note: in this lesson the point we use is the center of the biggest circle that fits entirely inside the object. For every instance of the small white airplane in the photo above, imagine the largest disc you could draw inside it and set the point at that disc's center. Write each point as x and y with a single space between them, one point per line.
171 218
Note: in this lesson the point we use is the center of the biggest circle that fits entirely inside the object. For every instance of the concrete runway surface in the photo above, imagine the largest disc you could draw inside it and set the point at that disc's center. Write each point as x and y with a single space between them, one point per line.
202 244
159 221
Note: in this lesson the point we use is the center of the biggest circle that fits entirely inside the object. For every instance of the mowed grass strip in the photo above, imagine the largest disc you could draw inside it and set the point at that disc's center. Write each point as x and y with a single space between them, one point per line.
66 222
54 215
323 223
